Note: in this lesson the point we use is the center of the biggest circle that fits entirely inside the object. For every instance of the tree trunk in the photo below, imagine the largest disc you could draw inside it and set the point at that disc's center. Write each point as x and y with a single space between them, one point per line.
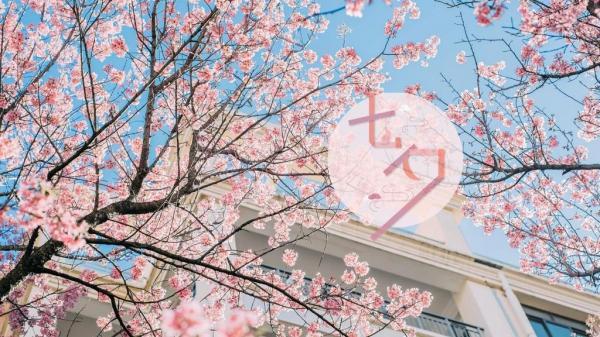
28 265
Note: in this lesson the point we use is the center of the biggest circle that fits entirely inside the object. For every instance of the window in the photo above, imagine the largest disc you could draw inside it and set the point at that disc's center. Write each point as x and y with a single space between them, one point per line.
538 328
545 324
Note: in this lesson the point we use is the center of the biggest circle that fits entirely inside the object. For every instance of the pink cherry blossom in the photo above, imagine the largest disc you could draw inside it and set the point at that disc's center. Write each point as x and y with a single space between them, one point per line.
9 147
460 57
104 323
351 259
238 324
362 268
412 52
355 7
396 23
348 277
187 320
118 46
487 11
289 257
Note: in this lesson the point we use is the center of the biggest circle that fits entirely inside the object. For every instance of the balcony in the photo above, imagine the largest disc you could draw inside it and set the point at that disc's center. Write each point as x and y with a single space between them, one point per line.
444 326
427 322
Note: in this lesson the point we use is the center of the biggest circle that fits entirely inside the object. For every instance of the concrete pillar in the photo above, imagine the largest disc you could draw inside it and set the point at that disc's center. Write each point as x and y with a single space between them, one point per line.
516 308
488 308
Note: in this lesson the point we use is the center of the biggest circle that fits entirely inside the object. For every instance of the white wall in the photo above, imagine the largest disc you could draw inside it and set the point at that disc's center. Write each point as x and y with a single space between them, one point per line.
79 326
322 259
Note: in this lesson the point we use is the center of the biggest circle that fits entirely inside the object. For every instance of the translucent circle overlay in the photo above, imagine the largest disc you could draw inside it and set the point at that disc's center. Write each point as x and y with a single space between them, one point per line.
395 160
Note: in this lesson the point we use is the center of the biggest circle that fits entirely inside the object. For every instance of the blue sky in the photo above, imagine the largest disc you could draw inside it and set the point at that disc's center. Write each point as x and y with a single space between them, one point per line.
367 37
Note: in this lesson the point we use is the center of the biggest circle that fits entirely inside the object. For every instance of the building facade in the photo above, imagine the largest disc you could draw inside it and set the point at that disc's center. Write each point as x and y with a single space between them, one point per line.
473 297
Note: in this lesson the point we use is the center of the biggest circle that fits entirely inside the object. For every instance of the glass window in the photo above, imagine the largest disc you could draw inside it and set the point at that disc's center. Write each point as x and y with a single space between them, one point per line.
545 328
539 328
558 330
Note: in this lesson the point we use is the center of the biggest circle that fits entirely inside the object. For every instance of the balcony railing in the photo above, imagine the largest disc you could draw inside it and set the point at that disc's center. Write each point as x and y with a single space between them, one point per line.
444 326
426 321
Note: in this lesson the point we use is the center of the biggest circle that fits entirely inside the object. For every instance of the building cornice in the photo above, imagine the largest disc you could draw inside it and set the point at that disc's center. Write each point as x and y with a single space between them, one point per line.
434 254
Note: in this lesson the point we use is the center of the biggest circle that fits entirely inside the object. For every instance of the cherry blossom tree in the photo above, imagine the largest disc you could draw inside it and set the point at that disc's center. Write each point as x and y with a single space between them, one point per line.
531 170
118 120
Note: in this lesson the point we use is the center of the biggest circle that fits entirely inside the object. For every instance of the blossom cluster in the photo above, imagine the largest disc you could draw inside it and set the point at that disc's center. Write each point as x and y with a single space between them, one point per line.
56 211
190 320
138 136
412 52
487 11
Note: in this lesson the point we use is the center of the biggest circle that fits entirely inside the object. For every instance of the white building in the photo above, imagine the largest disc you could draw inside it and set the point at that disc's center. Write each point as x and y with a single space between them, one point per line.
472 297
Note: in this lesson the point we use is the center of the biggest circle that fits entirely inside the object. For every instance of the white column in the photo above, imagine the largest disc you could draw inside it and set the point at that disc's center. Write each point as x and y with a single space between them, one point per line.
488 308
516 307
